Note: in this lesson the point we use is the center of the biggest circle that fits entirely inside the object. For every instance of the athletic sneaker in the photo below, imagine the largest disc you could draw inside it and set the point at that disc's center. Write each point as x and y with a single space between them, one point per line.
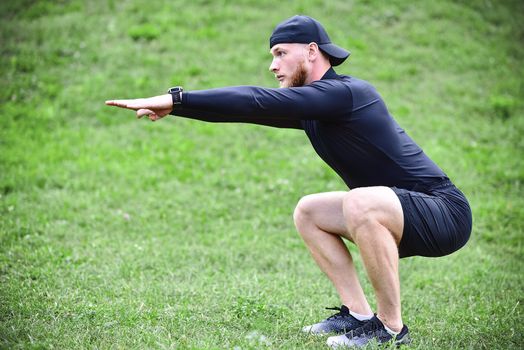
341 322
371 330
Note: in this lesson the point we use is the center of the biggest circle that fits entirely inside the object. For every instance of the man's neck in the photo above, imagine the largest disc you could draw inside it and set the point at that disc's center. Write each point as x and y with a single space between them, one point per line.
318 72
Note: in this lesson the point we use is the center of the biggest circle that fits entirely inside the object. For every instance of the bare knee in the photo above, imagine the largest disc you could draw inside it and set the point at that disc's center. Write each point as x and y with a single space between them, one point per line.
303 214
320 212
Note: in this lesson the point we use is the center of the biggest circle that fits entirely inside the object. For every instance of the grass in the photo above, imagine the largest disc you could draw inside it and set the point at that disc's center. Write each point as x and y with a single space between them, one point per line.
117 233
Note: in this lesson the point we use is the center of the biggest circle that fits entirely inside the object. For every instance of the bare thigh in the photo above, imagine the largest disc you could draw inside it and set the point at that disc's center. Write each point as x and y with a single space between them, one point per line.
374 205
343 212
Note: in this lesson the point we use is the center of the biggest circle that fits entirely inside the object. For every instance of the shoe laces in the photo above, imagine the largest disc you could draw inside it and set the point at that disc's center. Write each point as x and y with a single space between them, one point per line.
368 328
339 314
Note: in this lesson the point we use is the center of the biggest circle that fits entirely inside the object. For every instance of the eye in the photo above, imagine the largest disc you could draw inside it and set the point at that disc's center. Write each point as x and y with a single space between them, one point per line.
279 53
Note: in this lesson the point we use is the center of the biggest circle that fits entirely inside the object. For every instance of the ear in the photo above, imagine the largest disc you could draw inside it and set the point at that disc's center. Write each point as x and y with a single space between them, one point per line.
313 51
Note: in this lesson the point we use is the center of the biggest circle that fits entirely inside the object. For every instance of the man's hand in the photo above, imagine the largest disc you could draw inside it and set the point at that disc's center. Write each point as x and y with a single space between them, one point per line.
154 107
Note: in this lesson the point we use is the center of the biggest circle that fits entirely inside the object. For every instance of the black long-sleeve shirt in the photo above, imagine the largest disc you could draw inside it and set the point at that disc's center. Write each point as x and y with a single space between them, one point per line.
345 119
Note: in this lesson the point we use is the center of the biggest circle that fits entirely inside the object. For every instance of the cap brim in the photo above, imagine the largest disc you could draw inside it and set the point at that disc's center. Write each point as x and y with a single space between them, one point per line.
336 54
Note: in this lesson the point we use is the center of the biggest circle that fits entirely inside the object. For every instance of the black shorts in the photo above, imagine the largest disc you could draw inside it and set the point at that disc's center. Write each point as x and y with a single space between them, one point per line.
437 222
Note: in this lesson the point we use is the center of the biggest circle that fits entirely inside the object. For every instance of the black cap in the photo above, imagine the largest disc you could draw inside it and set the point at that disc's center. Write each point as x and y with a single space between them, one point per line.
304 30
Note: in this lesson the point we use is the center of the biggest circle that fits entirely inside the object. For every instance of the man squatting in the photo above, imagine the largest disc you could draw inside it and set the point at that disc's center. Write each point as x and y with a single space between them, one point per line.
400 203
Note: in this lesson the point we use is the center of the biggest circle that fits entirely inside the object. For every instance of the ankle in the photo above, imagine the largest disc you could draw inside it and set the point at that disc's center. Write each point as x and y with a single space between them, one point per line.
392 326
359 309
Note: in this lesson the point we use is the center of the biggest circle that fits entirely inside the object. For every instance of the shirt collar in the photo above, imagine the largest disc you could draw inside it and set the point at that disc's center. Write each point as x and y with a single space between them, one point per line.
330 74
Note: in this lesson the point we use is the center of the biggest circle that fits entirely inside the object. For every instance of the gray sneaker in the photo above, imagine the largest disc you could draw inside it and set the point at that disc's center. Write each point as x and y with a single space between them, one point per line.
373 330
340 323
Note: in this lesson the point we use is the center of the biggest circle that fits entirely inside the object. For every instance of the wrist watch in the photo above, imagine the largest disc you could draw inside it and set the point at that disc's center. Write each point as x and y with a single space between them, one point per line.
176 94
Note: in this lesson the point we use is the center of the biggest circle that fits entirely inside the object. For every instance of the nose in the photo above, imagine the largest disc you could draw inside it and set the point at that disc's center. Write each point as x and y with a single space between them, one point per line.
273 67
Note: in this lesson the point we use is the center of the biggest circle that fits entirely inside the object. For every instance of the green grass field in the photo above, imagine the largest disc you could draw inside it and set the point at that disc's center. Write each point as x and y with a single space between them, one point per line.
125 234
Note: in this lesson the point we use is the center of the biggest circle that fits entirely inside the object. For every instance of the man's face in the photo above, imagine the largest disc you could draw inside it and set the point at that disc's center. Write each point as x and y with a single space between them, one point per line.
290 65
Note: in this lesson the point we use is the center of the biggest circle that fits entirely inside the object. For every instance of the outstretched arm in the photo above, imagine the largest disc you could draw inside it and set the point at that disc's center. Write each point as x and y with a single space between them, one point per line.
158 107
284 108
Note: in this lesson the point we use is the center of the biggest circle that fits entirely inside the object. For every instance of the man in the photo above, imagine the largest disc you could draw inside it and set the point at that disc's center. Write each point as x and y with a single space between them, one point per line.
400 204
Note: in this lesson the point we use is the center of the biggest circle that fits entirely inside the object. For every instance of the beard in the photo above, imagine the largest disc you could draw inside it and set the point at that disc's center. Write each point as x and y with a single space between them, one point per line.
299 76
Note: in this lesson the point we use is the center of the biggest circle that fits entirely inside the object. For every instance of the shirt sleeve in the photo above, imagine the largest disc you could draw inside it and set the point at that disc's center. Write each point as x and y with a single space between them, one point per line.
213 117
321 100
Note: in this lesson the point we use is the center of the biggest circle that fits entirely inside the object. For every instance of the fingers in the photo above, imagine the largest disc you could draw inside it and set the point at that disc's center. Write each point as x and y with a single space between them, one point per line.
154 108
142 112
157 102
122 104
153 116
129 104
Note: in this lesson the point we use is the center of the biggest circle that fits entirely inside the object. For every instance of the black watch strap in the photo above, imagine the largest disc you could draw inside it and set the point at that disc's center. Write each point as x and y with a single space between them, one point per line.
176 94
